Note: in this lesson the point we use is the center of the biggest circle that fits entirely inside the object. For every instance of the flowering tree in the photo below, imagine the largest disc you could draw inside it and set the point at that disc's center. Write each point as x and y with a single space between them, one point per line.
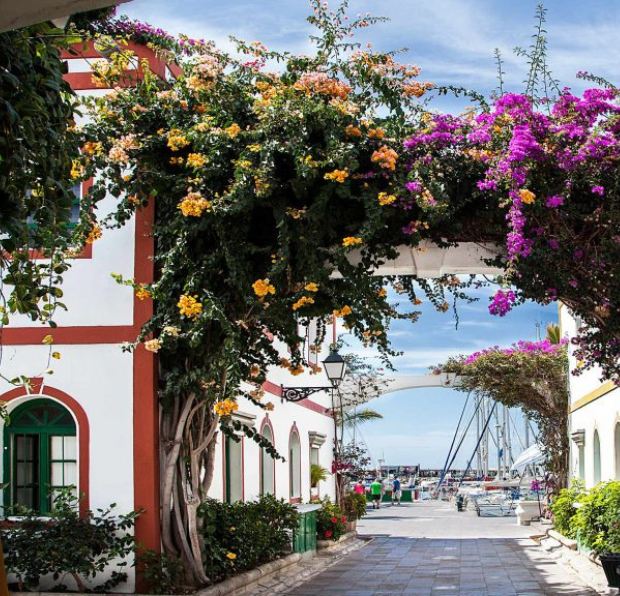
531 376
263 183
550 172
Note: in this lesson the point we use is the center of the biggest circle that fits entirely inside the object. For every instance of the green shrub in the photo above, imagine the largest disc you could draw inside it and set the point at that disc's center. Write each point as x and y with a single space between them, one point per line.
240 536
159 573
66 544
330 521
355 506
563 508
598 519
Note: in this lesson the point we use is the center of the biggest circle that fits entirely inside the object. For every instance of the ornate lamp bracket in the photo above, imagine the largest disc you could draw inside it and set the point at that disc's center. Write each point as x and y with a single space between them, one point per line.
299 393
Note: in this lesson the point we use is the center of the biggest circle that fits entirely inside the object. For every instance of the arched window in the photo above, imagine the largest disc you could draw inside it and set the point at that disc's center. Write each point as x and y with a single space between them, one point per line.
40 454
294 459
597 458
267 464
617 448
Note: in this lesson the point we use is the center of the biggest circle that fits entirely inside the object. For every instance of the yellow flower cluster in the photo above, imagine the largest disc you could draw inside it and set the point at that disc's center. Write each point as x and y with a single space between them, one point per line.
376 133
189 306
152 345
174 331
76 170
90 148
527 196
311 287
233 130
231 556
351 241
143 294
309 161
194 204
226 407
352 131
302 302
417 89
296 213
322 83
262 287
254 148
386 199
382 292
176 140
261 186
343 312
337 176
385 157
95 234
195 160
176 161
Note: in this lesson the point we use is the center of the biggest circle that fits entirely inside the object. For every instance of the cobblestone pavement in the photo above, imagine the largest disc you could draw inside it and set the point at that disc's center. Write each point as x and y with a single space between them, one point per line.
429 549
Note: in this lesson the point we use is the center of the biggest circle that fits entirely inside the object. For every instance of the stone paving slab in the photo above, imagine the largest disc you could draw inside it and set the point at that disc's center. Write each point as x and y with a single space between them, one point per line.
429 549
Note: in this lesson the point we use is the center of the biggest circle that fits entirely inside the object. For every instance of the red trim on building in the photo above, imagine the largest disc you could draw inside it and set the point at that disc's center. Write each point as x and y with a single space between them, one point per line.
145 397
26 336
82 424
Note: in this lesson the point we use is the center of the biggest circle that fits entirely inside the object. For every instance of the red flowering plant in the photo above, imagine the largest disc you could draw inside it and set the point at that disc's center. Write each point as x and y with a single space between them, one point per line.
330 521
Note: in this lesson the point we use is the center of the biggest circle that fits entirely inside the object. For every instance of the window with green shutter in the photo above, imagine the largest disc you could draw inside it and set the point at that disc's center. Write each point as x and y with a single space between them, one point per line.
40 454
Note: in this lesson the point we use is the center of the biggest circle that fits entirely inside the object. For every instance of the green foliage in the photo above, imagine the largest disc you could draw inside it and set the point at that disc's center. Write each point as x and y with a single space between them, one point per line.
241 536
159 573
563 508
38 144
530 376
66 544
355 505
317 474
330 521
598 519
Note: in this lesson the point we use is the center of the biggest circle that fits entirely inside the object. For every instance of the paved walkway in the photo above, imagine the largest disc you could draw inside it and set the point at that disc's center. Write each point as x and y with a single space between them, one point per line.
429 549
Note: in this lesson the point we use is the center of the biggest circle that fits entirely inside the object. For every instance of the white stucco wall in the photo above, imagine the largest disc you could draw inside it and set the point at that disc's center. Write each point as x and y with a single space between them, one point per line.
595 406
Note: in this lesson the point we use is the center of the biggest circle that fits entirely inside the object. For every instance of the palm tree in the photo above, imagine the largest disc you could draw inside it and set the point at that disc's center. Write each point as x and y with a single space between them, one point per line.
360 416
553 333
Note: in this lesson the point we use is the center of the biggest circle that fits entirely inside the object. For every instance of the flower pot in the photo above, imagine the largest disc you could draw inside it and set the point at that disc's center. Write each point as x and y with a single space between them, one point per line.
351 525
611 567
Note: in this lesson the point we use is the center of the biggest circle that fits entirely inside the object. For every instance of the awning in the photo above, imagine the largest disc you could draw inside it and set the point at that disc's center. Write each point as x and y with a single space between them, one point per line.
532 455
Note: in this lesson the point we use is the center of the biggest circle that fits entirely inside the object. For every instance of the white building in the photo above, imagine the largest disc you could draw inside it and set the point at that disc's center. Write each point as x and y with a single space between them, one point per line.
594 422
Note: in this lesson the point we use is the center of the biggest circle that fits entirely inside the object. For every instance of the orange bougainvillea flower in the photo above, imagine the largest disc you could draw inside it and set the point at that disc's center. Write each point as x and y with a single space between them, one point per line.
262 287
351 241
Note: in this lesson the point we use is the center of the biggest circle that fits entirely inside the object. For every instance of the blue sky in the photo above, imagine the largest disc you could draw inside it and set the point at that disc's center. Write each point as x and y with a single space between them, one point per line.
453 42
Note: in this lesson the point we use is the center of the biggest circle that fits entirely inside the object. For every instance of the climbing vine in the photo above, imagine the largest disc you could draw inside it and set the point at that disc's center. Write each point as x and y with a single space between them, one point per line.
531 376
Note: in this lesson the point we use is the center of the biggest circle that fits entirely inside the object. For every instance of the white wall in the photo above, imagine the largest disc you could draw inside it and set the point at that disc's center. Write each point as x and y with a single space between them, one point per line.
596 406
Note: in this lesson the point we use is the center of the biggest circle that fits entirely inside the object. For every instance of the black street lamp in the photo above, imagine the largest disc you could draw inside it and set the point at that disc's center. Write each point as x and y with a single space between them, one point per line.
335 369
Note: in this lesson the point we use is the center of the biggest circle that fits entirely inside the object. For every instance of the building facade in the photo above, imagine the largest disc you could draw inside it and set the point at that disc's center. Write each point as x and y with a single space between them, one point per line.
594 421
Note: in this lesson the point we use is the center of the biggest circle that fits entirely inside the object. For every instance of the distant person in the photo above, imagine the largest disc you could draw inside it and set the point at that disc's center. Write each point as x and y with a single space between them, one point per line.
359 489
376 489
396 491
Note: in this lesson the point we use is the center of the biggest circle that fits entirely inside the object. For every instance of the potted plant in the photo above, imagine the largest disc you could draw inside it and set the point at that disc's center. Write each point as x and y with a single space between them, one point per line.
330 522
317 474
354 508
598 522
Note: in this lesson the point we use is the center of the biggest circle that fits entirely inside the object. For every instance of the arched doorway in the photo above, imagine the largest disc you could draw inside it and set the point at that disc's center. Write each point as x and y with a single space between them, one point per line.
267 464
295 465
40 454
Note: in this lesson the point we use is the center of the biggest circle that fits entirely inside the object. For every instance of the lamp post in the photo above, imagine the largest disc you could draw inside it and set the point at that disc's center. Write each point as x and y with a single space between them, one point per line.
335 368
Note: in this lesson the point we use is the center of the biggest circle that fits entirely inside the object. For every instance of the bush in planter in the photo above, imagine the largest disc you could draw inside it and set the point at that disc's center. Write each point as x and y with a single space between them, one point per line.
355 506
563 508
330 521
598 523
598 519
241 536
67 544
